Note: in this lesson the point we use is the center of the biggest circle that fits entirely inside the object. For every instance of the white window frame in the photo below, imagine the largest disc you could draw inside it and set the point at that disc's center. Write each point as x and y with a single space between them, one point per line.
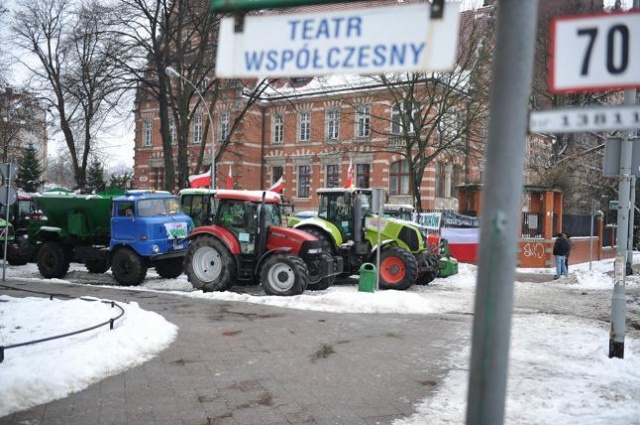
332 119
197 129
173 131
147 133
363 121
304 126
397 113
278 129
449 120
224 125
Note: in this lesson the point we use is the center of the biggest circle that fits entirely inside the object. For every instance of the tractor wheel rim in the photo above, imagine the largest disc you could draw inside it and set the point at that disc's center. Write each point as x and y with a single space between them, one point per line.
207 264
392 270
281 277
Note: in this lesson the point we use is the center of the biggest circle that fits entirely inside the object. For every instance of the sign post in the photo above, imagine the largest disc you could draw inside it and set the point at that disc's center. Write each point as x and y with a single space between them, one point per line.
595 52
598 52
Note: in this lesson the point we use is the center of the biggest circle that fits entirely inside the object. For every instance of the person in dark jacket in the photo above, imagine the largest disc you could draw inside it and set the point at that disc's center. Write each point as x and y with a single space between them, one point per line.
560 251
566 261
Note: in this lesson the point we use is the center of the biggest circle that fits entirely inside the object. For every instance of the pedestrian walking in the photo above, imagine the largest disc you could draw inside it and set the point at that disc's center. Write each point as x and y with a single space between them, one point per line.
566 261
560 251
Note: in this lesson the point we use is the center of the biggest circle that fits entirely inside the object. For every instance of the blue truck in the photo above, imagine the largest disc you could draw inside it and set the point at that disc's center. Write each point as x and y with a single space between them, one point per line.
128 232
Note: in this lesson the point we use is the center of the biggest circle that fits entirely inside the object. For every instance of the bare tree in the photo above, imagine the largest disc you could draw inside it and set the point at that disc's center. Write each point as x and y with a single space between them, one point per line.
575 163
435 115
74 78
19 113
149 29
182 34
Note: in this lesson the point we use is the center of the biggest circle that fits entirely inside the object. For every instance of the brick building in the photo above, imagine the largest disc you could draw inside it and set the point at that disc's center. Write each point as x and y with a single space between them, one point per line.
309 131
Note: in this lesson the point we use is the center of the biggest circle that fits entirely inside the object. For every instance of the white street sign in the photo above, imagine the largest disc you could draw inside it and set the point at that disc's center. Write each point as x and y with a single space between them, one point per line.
572 120
595 52
354 41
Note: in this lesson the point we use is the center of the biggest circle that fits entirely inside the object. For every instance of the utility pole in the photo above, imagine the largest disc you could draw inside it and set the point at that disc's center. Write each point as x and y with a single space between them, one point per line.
510 88
624 227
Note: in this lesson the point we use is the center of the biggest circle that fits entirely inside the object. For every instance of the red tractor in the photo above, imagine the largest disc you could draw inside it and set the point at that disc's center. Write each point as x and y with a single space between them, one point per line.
243 239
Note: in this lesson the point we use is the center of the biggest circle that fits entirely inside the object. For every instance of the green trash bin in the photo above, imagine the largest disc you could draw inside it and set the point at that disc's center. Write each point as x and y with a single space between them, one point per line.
367 282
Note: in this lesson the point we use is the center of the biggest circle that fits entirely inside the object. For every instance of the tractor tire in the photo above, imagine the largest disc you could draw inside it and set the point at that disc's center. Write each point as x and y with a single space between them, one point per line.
327 244
128 268
53 261
97 265
398 269
20 253
209 265
284 274
426 278
171 268
315 269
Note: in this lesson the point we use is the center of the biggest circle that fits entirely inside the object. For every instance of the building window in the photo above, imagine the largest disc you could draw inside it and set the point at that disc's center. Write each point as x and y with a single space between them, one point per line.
158 178
363 121
457 179
333 176
363 172
440 180
304 181
450 124
332 117
399 178
223 127
278 129
400 117
197 129
276 173
147 133
304 126
173 131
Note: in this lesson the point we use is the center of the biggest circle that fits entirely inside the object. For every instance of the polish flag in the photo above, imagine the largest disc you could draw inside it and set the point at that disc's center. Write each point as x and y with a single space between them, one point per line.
277 186
350 183
200 180
230 179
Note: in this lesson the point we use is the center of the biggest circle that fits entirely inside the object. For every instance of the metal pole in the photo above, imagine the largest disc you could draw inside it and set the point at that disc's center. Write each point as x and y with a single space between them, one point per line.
511 82
173 73
632 204
6 226
593 211
618 300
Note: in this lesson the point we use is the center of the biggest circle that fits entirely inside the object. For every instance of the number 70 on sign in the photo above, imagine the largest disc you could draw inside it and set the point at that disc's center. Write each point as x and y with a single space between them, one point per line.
595 52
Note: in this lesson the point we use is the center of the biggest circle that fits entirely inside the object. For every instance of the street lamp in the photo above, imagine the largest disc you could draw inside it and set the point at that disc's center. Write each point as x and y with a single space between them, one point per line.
171 72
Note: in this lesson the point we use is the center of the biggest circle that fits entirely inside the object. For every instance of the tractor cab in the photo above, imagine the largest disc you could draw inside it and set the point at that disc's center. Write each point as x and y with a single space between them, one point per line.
345 207
241 216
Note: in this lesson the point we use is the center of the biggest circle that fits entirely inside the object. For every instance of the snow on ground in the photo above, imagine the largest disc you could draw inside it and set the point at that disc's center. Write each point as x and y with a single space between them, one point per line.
559 369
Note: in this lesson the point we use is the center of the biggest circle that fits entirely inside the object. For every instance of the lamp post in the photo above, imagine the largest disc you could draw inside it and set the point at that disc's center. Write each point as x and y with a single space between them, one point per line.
171 72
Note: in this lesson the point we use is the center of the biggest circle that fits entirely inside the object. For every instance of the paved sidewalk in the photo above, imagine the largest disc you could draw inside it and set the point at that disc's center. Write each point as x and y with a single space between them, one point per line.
235 363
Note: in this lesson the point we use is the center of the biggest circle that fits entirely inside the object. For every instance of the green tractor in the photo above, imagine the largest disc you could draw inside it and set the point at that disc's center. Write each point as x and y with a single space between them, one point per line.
347 227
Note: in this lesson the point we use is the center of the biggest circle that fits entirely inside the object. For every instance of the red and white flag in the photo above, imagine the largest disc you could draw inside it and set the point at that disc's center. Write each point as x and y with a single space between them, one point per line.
350 183
230 179
277 186
200 180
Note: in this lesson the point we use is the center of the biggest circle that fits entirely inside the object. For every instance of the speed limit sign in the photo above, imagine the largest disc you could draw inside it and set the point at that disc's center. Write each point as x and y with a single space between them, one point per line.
595 52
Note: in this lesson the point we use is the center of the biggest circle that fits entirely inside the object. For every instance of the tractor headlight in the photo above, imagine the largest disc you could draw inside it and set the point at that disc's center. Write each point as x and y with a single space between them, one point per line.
315 250
155 249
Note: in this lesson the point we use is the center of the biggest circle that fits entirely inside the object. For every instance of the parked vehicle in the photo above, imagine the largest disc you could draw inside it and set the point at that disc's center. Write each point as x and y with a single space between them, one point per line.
448 264
347 227
128 233
242 239
21 213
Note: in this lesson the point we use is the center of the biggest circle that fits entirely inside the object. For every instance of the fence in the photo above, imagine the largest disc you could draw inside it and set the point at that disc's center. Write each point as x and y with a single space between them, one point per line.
578 225
109 322
532 225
